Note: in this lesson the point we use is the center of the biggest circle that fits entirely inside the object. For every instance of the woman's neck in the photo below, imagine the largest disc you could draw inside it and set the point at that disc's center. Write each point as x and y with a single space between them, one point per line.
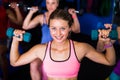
61 44
48 14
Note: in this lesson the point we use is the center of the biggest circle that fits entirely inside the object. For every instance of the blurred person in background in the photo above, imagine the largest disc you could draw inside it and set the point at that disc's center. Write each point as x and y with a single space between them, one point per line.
6 15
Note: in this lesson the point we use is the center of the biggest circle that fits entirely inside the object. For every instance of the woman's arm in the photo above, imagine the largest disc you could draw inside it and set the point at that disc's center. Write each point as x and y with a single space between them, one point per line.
76 24
16 17
28 23
108 58
16 59
101 39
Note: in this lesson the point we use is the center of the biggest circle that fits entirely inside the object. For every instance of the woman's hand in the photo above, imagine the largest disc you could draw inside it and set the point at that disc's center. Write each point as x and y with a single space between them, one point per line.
34 9
18 35
104 35
108 26
72 12
14 5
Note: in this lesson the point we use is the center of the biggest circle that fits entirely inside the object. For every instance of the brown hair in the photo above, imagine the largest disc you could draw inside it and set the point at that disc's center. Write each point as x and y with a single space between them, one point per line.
61 14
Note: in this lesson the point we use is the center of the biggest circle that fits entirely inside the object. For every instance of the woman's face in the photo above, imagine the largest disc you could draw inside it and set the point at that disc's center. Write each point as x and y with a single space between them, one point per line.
51 5
59 29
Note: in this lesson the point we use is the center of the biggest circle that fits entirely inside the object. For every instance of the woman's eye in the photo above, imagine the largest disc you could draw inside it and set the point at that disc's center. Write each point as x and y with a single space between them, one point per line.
62 28
53 3
47 3
53 28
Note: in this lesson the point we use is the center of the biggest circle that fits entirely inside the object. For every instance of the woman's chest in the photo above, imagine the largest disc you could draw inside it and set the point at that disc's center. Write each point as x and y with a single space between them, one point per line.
60 55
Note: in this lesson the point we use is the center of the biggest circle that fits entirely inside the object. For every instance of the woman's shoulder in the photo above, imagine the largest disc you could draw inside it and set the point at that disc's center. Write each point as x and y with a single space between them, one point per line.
40 15
81 45
77 43
41 46
39 50
39 18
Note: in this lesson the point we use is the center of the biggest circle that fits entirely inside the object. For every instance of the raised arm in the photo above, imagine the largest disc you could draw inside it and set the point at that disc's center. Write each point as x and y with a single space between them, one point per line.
109 58
16 17
16 59
101 40
76 23
28 23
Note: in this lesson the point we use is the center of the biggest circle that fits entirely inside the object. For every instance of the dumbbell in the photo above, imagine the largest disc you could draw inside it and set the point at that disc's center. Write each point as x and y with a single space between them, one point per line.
80 12
113 34
26 8
26 36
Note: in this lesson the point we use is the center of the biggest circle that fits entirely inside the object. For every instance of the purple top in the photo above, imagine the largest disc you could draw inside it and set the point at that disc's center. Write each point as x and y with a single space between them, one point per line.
117 68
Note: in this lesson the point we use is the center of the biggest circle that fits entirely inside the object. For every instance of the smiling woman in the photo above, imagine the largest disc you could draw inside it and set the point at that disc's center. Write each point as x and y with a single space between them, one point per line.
60 51
57 30
42 19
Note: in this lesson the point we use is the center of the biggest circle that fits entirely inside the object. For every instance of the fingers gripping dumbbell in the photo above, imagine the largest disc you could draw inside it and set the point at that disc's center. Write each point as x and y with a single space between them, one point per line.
80 12
113 33
26 36
26 8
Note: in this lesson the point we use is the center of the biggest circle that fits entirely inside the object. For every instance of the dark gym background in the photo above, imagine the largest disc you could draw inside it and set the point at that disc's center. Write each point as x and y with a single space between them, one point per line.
91 12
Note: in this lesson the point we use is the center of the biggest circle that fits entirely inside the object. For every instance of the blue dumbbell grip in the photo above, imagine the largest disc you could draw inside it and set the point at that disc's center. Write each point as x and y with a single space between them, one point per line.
26 36
113 34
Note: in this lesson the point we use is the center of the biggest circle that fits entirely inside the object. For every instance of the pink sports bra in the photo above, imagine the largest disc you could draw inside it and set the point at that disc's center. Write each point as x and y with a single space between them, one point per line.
61 69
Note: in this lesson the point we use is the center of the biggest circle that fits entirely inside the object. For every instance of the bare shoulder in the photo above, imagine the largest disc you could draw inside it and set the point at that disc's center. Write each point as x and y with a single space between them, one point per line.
39 50
39 18
81 48
40 47
40 15
80 44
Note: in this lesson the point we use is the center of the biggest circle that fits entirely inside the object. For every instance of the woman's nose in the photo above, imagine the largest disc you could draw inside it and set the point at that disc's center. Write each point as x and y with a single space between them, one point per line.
58 33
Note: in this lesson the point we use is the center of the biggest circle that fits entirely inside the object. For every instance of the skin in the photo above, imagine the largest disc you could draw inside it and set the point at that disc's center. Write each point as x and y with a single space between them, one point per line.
18 19
118 30
59 34
51 5
101 41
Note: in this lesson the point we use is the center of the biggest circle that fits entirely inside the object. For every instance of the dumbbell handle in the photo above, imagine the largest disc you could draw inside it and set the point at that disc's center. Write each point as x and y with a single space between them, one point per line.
26 8
76 11
113 34
26 36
